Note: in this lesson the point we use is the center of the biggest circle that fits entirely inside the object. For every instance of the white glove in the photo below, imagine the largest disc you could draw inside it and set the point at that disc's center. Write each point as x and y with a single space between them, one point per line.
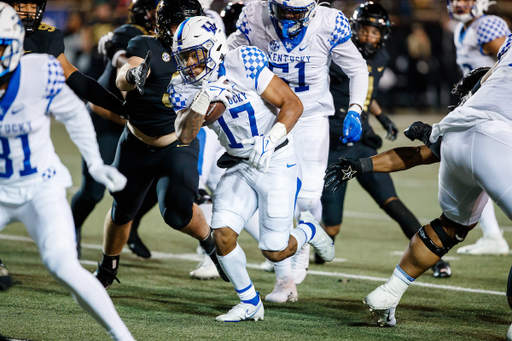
261 153
108 176
103 41
219 91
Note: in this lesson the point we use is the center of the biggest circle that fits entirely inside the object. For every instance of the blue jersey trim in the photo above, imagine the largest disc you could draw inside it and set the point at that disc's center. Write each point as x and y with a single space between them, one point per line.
11 93
299 186
244 289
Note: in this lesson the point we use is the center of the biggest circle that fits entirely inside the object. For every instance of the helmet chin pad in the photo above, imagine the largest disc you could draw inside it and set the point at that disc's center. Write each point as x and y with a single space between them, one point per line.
464 18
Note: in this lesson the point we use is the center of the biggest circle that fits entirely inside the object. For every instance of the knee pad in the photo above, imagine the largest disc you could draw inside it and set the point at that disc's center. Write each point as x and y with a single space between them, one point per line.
178 220
447 241
119 217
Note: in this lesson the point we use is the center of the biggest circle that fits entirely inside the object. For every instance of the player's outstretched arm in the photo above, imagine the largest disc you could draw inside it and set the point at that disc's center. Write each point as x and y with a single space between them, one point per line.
124 81
88 88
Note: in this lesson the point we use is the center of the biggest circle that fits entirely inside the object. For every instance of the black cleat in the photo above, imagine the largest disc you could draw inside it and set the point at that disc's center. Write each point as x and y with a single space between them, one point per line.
106 276
5 278
442 269
138 247
319 260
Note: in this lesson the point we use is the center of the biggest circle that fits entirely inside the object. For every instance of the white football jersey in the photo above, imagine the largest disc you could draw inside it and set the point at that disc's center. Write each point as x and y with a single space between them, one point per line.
247 115
36 88
305 67
468 42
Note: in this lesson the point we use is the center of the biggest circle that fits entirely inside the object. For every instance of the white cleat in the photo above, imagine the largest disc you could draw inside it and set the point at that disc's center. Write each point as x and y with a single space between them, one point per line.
486 246
321 241
509 333
243 311
205 270
267 266
300 264
382 305
284 291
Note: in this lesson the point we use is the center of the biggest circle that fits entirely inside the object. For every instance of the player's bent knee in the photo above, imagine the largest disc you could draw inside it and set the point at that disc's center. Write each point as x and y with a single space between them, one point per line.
178 220
225 240
448 242
274 256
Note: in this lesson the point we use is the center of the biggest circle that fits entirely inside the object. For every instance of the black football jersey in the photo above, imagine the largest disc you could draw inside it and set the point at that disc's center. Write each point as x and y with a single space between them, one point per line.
46 39
152 112
120 39
341 93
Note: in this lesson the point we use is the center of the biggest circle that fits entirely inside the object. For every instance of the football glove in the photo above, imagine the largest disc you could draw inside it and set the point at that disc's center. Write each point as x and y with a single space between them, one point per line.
389 126
339 173
219 91
104 43
352 127
108 176
421 131
262 151
138 75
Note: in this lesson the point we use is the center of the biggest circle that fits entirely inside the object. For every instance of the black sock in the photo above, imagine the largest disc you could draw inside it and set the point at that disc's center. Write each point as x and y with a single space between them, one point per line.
110 262
401 214
207 244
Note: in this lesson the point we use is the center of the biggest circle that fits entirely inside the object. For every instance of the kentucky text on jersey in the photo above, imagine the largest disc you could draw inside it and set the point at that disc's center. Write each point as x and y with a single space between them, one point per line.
280 58
15 128
237 98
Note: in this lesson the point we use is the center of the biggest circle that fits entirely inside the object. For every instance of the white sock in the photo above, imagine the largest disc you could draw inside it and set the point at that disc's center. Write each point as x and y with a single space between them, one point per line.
283 269
88 292
253 226
488 222
398 283
234 266
303 234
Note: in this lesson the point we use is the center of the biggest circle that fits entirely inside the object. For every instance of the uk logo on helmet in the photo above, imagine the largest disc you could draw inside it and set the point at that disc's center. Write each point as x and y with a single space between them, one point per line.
210 27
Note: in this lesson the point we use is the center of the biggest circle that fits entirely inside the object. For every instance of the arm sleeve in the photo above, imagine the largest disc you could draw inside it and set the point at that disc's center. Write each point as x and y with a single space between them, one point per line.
92 91
347 57
70 110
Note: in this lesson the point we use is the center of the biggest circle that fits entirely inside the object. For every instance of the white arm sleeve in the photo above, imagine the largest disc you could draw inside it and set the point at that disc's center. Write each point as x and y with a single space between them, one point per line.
347 57
70 110
237 39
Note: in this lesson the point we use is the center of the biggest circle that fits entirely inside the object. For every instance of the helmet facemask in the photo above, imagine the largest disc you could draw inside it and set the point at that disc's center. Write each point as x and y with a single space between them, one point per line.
477 9
290 20
199 54
31 19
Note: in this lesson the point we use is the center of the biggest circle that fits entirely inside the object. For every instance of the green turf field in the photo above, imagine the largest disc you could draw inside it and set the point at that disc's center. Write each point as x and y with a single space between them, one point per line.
158 301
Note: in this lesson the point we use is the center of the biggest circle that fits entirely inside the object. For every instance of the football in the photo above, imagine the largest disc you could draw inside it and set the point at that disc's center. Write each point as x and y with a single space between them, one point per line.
215 111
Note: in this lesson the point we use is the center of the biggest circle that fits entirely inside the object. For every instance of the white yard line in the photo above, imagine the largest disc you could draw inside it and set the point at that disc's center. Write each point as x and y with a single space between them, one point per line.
195 257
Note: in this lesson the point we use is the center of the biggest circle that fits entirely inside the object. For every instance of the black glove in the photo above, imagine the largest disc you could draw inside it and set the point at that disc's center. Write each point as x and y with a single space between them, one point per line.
389 126
138 75
421 131
339 173
467 86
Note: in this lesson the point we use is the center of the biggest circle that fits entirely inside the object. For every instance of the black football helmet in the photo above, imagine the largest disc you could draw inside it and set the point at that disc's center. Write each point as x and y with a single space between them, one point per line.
31 20
174 12
230 15
142 13
370 14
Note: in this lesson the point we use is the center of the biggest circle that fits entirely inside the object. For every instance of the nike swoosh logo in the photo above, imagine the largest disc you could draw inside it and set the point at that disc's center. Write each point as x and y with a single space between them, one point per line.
17 111
183 145
302 49
289 166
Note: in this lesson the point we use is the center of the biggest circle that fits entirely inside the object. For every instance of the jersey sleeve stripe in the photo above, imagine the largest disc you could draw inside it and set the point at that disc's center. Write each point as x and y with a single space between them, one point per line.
342 31
56 78
254 62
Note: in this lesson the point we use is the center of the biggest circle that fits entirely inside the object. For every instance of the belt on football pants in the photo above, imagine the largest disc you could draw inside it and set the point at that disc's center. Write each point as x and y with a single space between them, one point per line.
227 161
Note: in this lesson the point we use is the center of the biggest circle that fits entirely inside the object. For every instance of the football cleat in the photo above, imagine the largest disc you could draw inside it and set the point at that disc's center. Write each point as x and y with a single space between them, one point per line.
243 311
137 246
5 278
106 276
321 241
267 266
300 264
486 246
382 305
205 270
285 290
318 259
442 269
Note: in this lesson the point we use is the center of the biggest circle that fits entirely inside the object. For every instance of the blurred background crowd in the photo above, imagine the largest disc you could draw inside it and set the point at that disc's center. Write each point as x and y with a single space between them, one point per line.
420 76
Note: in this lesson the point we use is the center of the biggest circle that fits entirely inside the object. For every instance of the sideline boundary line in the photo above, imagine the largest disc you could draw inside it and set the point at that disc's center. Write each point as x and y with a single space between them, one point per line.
196 258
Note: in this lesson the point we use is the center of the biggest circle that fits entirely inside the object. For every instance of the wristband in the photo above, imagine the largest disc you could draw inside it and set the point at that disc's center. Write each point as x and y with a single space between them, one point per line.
130 76
366 165
200 103
356 108
277 132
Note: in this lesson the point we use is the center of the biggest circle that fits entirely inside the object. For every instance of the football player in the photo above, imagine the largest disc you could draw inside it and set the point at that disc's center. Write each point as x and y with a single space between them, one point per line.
300 39
33 181
149 151
230 15
474 166
109 126
370 28
263 170
477 40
